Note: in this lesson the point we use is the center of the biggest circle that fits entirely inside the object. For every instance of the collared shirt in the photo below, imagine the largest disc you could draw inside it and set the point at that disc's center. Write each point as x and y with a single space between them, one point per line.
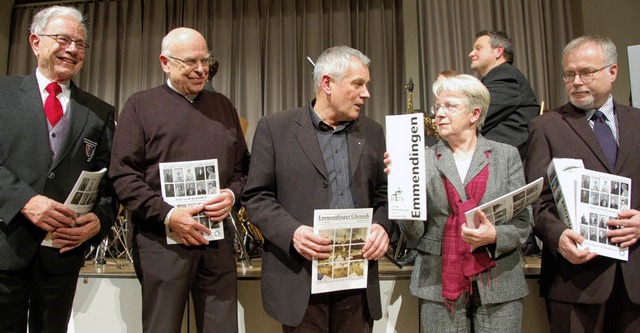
609 113
64 96
189 98
335 151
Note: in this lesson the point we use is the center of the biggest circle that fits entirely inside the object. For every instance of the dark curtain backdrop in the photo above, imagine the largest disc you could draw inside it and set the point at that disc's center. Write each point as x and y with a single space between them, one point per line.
262 46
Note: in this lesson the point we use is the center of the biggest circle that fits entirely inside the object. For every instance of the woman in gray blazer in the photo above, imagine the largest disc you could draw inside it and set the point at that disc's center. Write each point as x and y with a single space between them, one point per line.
468 276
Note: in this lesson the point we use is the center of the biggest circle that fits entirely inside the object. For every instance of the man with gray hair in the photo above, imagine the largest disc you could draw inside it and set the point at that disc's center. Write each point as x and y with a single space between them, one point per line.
585 292
326 155
176 122
51 132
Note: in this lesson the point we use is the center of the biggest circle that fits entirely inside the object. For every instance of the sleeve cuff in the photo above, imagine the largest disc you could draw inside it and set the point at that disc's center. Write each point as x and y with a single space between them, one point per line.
232 195
168 217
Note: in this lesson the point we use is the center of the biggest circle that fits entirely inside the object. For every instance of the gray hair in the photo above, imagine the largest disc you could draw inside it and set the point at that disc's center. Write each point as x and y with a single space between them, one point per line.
499 38
469 87
607 46
167 41
335 62
41 19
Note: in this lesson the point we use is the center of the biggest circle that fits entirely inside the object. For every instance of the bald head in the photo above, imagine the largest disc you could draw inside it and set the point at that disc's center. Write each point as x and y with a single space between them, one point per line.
185 59
178 37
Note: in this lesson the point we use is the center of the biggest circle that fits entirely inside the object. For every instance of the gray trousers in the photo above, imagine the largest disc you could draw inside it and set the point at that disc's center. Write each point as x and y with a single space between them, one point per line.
471 313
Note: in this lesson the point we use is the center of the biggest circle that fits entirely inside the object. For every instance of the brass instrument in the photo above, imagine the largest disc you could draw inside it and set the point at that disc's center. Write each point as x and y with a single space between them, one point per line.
249 227
248 238
430 128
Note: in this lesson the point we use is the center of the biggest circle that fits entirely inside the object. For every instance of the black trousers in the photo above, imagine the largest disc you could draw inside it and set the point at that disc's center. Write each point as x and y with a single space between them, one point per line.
169 273
342 311
48 299
617 314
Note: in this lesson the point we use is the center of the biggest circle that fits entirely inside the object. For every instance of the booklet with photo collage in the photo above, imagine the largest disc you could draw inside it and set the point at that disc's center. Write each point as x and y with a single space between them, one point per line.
587 200
188 184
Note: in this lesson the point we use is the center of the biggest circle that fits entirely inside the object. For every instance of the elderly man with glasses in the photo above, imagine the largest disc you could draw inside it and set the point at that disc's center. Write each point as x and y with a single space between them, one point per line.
51 132
584 292
175 122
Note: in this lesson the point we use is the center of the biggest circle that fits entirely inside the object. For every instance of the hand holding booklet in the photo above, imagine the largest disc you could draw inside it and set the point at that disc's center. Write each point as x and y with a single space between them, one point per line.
346 267
82 197
587 200
188 184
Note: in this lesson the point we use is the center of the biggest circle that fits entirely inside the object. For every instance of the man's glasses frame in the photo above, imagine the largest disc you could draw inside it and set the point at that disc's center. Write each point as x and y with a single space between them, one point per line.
193 63
64 41
586 77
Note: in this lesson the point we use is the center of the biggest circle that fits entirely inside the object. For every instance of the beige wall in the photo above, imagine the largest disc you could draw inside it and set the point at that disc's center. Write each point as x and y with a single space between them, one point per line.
617 20
5 26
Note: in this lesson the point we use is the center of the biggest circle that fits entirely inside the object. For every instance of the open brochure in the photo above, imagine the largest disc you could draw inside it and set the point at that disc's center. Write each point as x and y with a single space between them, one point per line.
587 200
504 208
346 268
82 197
407 183
188 184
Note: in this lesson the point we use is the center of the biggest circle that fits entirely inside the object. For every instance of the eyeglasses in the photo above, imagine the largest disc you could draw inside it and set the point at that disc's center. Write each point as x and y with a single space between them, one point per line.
449 109
586 77
193 63
64 41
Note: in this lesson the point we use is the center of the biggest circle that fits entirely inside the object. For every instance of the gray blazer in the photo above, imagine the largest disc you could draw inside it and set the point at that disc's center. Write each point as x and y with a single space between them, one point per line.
287 181
26 168
505 175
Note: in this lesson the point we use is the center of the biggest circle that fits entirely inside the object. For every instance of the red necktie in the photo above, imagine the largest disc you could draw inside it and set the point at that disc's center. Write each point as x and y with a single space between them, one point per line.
52 106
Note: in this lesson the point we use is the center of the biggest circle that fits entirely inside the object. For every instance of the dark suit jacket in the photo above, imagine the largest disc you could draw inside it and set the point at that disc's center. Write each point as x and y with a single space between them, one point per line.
565 133
513 104
26 168
287 181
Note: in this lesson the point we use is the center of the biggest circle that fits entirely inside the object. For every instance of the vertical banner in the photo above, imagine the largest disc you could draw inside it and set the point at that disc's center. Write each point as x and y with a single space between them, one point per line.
407 192
634 74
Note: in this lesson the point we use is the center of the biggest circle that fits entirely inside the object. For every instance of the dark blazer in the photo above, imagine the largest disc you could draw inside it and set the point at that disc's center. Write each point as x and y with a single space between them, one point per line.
287 181
513 104
565 133
26 168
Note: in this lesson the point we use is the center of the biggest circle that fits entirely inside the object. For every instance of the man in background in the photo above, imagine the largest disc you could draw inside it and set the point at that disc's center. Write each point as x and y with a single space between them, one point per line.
585 292
327 155
513 103
213 70
178 122
51 132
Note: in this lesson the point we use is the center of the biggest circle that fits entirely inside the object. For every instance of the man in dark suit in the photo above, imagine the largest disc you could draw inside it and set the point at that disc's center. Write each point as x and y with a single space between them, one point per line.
513 103
324 155
584 292
40 159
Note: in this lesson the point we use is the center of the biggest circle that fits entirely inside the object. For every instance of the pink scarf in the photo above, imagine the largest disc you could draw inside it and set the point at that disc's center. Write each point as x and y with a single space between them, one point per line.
459 264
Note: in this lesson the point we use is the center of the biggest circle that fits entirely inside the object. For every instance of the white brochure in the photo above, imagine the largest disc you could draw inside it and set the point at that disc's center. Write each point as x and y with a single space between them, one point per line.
346 268
587 200
82 197
188 184
407 192
504 208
